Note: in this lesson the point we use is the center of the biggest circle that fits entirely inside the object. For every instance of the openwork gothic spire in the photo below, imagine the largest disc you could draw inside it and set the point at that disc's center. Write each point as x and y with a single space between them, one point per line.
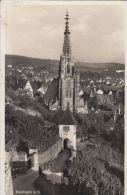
66 44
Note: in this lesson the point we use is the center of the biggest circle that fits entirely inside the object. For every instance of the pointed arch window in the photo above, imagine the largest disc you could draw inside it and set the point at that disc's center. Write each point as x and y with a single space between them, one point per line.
68 68
66 92
70 93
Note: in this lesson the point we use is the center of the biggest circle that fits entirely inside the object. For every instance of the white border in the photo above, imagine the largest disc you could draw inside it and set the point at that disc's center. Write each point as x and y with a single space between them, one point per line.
125 126
2 100
3 5
59 2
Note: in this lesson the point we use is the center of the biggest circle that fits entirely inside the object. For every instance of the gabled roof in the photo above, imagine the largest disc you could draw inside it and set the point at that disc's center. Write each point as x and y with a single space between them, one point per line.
67 118
28 86
52 92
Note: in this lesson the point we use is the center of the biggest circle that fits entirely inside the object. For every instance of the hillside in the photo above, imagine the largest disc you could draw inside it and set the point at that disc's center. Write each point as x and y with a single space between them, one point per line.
36 63
52 65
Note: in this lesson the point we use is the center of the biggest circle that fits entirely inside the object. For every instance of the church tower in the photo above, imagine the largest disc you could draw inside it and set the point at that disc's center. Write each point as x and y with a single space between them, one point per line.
68 79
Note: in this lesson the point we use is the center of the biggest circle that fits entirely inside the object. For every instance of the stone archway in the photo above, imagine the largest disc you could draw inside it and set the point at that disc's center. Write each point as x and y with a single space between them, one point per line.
66 144
29 163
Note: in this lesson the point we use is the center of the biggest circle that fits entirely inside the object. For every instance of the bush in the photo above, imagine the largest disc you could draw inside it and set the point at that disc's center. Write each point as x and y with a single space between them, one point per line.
88 172
29 128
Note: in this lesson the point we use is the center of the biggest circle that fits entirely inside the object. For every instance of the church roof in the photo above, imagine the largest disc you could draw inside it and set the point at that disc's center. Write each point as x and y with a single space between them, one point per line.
67 118
52 92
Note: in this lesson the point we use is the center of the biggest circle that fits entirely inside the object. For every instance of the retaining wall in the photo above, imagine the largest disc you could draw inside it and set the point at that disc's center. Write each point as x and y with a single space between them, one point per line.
8 175
51 153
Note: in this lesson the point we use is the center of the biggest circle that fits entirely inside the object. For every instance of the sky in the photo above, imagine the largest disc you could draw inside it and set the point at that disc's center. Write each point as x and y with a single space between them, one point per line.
97 31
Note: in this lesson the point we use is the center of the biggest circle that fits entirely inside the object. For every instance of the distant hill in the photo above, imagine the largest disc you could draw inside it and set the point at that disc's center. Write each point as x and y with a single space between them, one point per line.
52 65
100 66
36 63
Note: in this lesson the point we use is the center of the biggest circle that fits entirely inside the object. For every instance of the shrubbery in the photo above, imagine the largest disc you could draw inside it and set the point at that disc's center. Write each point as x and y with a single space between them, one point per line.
99 125
29 128
88 173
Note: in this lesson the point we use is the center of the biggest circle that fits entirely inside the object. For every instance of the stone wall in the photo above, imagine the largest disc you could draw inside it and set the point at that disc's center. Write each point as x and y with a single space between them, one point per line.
8 175
33 157
51 153
53 177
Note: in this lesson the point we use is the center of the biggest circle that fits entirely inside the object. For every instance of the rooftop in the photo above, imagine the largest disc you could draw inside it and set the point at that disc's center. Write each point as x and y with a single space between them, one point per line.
52 92
68 118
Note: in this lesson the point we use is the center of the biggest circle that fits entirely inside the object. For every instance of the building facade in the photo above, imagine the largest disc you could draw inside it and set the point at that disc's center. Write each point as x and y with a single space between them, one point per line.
68 77
67 130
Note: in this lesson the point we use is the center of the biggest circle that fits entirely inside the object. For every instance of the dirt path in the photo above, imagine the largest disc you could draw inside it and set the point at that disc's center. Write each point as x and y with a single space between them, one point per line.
28 111
23 184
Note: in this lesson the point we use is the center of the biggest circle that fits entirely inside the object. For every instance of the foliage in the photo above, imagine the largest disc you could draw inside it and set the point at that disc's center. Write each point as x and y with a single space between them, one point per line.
11 138
99 125
117 136
29 128
88 173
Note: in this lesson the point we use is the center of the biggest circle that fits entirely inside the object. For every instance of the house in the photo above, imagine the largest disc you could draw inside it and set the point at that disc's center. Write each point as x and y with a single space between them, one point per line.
92 93
110 93
108 82
81 93
8 100
28 89
83 108
105 100
54 106
25 87
42 90
99 92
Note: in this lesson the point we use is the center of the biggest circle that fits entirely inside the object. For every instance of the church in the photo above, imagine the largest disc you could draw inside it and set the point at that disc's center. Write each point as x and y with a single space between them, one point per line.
68 77
63 93
64 90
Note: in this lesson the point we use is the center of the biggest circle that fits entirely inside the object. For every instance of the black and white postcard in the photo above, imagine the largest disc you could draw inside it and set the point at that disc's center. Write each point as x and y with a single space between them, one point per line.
63 97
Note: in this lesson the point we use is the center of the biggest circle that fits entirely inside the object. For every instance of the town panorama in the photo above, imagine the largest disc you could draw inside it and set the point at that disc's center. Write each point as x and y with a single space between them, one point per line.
64 125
